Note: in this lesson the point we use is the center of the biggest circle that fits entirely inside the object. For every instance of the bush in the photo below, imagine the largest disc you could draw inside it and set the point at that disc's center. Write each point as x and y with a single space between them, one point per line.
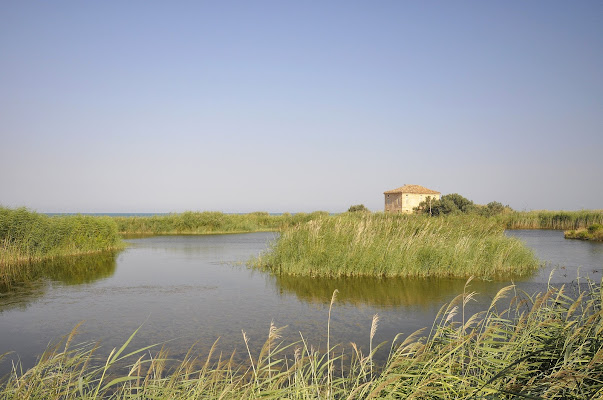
357 208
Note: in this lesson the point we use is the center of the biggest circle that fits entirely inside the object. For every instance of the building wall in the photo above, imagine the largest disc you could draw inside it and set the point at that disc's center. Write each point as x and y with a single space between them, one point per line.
393 202
406 202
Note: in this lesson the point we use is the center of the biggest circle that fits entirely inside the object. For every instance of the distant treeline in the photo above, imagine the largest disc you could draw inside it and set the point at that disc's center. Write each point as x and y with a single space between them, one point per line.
211 222
456 204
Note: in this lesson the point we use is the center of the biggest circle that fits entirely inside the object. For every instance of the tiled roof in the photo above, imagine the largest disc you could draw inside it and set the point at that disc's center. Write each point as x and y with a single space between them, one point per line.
417 189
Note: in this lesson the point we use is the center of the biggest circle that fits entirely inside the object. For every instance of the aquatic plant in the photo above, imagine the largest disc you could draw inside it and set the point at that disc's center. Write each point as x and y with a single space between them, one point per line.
593 232
543 346
209 222
27 236
564 220
387 245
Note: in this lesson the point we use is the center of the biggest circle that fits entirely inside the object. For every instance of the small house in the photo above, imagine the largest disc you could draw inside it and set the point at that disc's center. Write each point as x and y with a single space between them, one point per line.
406 198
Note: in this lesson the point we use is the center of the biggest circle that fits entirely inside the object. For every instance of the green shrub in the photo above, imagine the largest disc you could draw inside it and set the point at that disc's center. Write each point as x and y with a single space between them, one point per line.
358 208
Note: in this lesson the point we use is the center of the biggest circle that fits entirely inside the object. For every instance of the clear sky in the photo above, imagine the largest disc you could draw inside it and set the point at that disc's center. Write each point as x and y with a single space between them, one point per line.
238 106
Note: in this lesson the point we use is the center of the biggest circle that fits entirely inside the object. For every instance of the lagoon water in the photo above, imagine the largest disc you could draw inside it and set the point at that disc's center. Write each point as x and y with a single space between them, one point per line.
188 289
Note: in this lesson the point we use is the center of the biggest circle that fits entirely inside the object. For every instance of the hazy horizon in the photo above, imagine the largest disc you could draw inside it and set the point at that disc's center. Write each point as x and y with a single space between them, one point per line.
298 106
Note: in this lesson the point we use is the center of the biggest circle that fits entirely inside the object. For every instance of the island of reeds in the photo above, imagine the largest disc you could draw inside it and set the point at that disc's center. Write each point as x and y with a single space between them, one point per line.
27 237
593 232
388 245
544 346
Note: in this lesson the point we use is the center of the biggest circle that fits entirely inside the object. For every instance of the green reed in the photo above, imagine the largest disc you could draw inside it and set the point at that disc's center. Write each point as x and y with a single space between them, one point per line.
543 346
209 222
387 245
593 232
27 236
564 220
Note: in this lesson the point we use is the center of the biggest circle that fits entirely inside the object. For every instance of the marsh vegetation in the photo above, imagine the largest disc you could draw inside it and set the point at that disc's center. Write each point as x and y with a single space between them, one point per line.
562 220
388 245
593 232
455 204
28 237
543 346
211 222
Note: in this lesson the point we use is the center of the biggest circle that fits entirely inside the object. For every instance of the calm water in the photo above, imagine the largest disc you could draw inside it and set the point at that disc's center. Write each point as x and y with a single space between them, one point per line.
197 288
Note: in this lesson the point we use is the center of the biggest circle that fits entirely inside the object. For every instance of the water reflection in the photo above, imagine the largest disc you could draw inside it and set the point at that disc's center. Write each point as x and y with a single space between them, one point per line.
188 288
380 293
32 279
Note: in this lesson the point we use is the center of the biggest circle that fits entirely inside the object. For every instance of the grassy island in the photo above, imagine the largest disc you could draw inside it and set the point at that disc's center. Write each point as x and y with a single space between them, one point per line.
387 245
593 232
27 236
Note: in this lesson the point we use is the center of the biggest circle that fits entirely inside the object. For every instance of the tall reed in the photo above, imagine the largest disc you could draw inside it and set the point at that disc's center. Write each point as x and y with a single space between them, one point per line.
593 232
543 346
388 245
564 220
27 236
211 222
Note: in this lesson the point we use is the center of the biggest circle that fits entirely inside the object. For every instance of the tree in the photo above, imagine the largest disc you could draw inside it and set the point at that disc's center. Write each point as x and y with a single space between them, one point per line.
456 204
357 208
449 204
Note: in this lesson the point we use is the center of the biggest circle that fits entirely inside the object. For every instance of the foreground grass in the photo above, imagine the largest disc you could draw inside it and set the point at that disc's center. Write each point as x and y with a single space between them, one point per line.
564 220
545 346
388 245
27 236
211 222
593 232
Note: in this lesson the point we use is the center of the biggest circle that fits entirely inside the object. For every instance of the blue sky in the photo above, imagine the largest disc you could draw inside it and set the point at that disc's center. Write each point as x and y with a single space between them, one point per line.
237 106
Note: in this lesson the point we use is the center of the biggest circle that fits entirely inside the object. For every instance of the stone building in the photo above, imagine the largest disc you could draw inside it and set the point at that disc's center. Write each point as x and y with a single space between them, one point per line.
404 199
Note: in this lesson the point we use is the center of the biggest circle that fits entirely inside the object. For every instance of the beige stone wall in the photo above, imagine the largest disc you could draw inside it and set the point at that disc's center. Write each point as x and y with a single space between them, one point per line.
393 202
410 201
406 202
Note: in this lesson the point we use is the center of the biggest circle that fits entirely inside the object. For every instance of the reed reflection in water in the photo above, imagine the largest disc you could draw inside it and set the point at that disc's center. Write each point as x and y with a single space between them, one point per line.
31 281
423 293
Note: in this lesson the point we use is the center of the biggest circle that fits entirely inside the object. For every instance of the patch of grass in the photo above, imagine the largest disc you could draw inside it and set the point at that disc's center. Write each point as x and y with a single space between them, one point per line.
563 220
27 236
388 245
208 222
593 232
544 346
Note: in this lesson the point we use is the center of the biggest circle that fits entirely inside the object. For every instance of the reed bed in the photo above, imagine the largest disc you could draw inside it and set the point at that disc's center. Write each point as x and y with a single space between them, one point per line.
562 220
593 232
544 346
211 222
388 245
27 236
